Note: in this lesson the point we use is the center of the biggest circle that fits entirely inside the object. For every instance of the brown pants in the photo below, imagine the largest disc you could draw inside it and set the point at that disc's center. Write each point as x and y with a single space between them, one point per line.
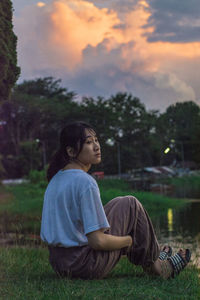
126 216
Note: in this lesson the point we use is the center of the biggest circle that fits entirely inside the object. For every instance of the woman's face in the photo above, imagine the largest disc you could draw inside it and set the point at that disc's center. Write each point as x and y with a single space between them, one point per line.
91 151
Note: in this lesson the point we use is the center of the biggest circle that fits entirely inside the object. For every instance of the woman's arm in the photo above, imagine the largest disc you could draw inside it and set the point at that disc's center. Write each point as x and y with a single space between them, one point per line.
101 241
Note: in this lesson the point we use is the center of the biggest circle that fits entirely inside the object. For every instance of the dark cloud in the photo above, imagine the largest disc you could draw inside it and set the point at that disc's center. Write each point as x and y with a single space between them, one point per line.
98 83
174 20
120 26
178 7
117 5
106 78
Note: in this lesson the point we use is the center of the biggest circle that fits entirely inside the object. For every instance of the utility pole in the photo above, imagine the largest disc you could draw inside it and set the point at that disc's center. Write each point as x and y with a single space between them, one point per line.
44 154
119 159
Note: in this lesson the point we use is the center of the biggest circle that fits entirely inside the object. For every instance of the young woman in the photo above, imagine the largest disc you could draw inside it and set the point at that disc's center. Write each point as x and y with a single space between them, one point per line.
85 239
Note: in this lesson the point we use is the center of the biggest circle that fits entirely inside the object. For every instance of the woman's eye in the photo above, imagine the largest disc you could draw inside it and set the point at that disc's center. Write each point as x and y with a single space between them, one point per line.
89 142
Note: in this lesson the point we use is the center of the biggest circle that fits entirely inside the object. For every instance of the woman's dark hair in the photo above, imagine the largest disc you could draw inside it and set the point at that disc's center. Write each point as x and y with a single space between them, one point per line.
73 135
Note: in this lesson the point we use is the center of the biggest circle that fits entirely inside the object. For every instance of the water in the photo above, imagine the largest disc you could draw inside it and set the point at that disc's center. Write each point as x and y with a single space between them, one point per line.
180 228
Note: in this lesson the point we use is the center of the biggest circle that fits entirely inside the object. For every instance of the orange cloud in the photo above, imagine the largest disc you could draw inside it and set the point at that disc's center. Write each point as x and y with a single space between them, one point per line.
77 24
41 4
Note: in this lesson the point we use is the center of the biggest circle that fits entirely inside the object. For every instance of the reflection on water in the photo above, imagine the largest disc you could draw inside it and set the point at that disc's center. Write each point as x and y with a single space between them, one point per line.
170 219
180 228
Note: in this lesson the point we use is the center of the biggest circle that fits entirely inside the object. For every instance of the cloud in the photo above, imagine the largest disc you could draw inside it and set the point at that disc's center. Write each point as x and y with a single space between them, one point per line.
174 20
172 81
77 24
99 50
40 4
116 5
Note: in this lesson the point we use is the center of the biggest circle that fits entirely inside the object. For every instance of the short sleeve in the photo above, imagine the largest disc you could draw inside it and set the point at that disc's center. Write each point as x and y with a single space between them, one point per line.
92 211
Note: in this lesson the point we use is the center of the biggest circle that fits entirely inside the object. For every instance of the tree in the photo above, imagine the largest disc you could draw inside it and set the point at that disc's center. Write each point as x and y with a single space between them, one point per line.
124 127
31 123
8 56
130 131
181 129
46 87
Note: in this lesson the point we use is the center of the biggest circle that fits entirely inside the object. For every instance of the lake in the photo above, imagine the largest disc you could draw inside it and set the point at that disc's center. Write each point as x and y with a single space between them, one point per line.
180 228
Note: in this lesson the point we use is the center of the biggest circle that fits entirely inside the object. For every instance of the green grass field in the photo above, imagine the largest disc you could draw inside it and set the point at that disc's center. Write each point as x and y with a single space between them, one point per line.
20 211
25 272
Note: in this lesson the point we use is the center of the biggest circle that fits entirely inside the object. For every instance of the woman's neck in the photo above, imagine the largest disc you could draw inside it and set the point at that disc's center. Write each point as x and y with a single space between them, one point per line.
77 165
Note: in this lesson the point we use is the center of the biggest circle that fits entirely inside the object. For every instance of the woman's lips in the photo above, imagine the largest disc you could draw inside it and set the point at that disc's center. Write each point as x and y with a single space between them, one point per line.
98 154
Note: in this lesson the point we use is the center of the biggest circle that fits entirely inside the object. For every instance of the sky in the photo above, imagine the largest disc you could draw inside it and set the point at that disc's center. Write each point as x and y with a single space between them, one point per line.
149 48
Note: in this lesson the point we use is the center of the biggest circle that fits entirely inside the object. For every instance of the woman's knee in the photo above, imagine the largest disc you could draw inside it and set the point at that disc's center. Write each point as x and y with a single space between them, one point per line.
122 203
134 200
128 200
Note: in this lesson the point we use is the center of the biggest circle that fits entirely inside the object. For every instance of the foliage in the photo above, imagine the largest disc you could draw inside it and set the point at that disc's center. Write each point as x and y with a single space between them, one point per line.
33 119
124 120
185 186
107 184
8 56
130 136
128 129
29 157
44 88
180 126
2 169
38 177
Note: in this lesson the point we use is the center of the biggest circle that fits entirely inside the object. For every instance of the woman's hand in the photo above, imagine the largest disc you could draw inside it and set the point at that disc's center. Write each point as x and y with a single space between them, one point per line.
98 240
130 245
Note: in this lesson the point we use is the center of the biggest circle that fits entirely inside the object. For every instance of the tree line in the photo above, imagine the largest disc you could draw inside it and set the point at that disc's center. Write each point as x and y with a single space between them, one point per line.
30 122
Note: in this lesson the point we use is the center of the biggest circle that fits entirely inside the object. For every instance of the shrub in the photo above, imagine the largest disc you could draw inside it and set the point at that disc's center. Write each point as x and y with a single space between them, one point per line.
38 177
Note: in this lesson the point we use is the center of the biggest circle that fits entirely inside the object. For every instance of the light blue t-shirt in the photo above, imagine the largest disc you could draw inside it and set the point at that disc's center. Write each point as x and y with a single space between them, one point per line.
72 208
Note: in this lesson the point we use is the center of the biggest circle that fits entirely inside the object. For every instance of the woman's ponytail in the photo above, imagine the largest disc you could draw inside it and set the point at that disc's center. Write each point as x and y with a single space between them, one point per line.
58 161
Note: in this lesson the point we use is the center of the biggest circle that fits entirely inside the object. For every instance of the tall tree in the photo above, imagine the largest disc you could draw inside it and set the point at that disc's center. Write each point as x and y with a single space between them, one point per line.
8 55
31 122
124 127
44 87
129 131
181 125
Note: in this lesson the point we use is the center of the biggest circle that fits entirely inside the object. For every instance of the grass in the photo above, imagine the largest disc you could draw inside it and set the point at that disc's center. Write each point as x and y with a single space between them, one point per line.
155 204
185 186
21 211
26 274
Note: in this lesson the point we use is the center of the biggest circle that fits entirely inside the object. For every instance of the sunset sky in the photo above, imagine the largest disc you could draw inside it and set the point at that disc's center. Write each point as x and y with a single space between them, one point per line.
150 48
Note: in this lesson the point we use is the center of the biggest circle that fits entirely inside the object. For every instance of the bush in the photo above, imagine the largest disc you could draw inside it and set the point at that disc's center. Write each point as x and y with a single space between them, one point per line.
114 183
186 186
38 177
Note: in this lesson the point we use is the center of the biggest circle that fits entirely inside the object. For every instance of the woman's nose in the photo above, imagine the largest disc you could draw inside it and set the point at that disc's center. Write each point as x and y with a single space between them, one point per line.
96 146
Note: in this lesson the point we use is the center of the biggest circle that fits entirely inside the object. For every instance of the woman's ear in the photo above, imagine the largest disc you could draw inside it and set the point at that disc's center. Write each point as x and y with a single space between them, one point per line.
70 151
